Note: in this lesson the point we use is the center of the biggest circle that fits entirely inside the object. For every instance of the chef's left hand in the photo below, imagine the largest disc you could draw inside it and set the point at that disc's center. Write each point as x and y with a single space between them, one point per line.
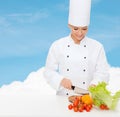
92 85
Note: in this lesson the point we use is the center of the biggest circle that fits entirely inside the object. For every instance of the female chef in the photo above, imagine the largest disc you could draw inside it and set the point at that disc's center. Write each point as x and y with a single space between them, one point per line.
76 59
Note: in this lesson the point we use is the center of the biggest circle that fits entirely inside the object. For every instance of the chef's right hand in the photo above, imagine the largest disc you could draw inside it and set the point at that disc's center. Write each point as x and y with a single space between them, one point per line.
66 83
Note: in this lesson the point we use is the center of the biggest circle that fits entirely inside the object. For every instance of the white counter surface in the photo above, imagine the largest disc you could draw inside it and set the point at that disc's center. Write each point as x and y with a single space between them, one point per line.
35 98
24 105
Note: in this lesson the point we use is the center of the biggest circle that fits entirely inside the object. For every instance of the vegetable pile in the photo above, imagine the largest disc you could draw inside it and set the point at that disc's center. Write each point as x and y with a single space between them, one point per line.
99 97
103 98
81 103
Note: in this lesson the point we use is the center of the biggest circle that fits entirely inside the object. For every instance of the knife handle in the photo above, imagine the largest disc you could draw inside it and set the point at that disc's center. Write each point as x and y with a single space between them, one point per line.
72 87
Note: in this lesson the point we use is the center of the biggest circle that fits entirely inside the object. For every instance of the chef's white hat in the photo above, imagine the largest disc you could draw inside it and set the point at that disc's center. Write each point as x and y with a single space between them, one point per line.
79 12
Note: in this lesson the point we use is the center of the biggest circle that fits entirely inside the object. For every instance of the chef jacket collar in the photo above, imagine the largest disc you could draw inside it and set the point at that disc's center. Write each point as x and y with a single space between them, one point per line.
83 41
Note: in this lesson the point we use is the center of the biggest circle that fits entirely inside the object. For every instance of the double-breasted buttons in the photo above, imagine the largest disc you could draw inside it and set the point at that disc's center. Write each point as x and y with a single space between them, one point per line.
68 55
81 58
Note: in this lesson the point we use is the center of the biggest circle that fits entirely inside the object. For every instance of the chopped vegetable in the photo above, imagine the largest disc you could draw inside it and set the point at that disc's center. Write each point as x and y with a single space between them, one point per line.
102 96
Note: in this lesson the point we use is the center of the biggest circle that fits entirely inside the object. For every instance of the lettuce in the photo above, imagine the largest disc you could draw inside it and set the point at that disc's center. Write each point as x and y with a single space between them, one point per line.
101 95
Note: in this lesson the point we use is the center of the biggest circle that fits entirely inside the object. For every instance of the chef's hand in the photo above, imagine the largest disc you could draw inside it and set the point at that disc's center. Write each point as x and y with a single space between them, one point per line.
66 83
92 85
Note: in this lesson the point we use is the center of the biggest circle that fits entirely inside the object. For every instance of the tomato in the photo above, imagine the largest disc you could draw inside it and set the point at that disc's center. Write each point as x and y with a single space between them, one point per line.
102 106
75 109
87 109
80 98
76 102
90 106
84 105
106 108
80 109
70 106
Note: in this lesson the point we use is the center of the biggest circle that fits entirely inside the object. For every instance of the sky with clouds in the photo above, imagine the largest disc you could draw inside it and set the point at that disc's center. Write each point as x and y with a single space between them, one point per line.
28 28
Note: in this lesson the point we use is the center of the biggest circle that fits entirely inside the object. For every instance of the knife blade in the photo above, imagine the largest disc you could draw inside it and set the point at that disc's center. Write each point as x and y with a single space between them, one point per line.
79 90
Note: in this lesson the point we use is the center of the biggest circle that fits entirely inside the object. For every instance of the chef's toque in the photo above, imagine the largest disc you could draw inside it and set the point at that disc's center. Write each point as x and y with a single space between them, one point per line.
79 12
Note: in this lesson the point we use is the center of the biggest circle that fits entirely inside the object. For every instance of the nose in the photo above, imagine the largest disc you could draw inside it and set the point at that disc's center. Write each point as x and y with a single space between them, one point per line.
80 31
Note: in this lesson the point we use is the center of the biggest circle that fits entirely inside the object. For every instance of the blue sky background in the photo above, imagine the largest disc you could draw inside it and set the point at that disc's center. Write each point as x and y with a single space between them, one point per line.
28 28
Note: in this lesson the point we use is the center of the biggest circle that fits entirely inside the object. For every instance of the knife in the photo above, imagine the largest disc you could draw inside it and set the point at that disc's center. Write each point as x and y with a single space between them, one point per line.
79 90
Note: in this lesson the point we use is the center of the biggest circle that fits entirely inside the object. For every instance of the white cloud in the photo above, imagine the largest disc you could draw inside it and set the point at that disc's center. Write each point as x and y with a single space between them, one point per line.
19 15
27 17
13 18
114 84
35 83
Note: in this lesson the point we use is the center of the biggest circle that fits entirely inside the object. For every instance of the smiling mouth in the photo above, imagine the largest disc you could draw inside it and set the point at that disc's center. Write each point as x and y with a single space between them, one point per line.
80 37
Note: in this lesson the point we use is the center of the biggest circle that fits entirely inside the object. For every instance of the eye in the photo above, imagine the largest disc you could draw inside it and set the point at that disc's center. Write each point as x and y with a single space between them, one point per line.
75 28
84 29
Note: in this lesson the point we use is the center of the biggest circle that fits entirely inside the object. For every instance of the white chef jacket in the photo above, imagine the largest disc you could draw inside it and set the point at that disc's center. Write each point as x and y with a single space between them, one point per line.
83 63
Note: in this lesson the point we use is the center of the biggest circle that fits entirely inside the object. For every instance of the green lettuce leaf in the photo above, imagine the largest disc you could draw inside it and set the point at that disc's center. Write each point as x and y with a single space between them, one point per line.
101 95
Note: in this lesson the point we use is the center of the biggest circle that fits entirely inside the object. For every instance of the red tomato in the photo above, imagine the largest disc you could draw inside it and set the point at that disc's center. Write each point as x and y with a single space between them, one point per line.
76 102
102 107
75 109
80 109
106 108
90 106
87 109
80 98
84 105
70 106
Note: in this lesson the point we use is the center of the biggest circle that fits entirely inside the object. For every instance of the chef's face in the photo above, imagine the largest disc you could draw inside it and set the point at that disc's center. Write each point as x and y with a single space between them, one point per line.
78 33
